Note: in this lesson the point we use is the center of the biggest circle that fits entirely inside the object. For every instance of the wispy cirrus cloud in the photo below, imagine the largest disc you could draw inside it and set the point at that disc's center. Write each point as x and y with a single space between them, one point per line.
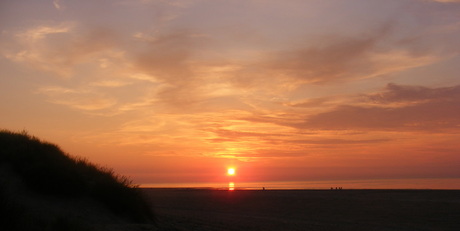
58 5
336 58
81 99
57 48
170 58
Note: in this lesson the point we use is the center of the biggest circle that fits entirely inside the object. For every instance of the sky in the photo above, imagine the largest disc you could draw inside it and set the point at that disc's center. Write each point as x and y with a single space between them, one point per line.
178 91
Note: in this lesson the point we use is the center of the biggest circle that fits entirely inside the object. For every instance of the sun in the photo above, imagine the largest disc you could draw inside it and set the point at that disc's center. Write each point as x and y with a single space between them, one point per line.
231 171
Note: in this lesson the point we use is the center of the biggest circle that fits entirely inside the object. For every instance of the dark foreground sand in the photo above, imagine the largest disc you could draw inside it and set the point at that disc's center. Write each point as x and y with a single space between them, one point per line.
193 209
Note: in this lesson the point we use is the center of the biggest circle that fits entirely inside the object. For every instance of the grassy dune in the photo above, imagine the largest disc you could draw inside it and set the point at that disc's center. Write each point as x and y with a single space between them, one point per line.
43 188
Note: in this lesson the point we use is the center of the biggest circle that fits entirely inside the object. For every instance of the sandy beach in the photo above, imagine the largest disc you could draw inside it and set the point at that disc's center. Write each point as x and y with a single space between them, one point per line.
202 209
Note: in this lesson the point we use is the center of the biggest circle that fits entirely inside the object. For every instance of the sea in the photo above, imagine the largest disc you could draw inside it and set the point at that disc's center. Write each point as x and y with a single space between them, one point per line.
430 183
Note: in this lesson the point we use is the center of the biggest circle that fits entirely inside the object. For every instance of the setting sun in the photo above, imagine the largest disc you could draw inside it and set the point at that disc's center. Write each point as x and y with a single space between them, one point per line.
230 171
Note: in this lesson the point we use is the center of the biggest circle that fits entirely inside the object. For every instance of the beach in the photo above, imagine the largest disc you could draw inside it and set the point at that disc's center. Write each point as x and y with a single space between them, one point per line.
208 209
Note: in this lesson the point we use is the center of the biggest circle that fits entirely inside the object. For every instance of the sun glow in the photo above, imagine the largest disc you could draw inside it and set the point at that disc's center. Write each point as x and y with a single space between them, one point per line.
231 171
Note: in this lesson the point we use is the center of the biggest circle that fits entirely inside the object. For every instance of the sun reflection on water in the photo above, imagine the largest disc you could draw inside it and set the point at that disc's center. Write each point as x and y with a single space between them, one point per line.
231 186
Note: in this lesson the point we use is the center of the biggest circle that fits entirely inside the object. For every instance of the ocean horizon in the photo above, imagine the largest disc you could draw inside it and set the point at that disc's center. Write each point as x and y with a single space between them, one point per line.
425 183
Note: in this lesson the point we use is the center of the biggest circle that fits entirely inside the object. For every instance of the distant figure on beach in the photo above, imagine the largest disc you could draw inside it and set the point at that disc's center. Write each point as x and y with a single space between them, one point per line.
263 188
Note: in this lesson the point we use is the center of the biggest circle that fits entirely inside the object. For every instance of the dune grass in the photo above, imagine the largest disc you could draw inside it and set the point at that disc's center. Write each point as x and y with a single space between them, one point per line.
45 169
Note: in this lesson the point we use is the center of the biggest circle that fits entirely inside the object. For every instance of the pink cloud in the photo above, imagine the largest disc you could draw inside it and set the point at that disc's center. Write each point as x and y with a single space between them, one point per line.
434 109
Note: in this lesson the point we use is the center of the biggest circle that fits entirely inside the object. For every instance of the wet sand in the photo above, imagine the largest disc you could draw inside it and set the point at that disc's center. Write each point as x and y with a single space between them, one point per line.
199 209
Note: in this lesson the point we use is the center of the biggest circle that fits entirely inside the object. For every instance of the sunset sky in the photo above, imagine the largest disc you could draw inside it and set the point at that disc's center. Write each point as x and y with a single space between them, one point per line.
178 91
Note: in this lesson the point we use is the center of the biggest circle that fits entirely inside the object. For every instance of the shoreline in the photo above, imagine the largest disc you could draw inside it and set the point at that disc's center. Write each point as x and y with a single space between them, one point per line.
275 189
417 183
